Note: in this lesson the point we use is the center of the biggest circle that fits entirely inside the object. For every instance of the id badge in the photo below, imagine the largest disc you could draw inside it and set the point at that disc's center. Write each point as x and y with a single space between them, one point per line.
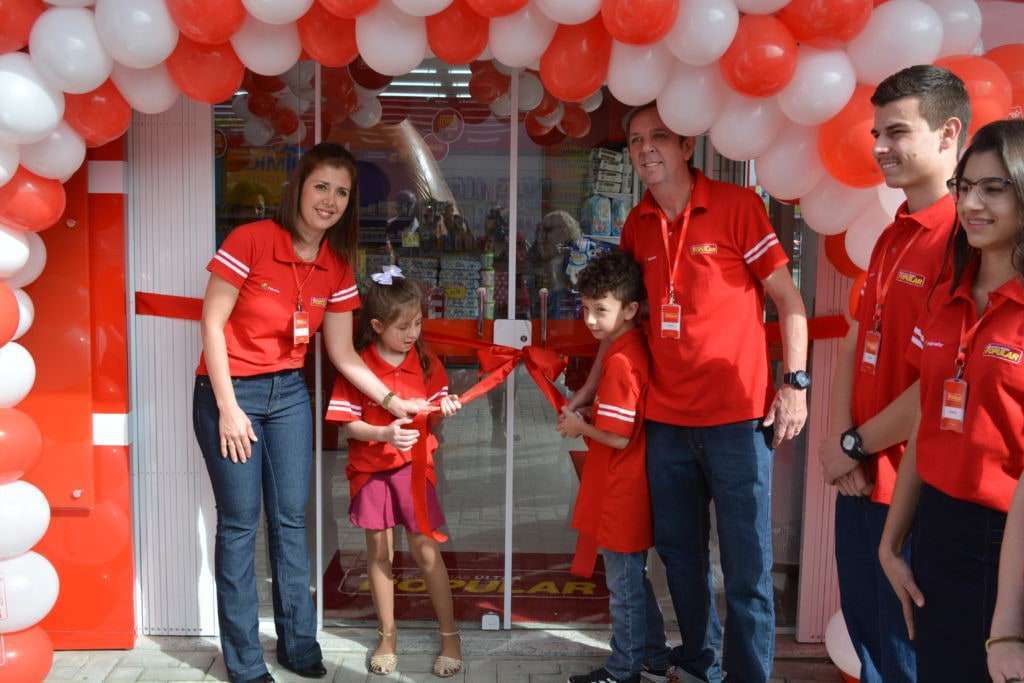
671 321
872 344
954 405
300 327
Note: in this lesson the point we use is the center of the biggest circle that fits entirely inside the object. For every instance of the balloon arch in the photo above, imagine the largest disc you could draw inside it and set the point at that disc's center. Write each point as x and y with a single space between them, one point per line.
783 82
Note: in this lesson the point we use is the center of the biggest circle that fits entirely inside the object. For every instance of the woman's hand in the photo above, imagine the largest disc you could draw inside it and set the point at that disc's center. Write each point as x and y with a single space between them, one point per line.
402 439
236 435
902 579
407 407
450 405
1006 662
570 423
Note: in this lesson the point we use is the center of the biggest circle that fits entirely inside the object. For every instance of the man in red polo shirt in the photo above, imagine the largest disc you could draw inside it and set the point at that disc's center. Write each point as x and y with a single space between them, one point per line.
709 255
921 118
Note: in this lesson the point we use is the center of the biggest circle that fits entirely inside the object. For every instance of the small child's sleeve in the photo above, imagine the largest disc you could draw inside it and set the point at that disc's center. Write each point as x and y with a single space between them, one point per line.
346 404
618 397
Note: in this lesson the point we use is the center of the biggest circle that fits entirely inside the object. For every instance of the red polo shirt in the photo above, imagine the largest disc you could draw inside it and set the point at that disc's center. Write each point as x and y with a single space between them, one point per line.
348 404
909 280
983 464
613 508
717 371
259 260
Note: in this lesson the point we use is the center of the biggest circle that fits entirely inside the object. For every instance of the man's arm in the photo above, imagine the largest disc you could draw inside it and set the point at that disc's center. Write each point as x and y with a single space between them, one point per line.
788 412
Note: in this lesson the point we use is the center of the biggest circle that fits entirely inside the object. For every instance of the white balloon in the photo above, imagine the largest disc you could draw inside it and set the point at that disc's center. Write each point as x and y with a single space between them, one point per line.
638 73
56 156
831 206
531 91
747 126
839 646
18 371
240 106
900 33
13 250
33 267
277 11
290 100
506 69
368 114
1001 22
71 3
9 160
67 51
257 132
299 79
570 11
864 231
593 102
519 38
26 313
485 55
32 586
136 33
422 8
502 107
760 6
554 118
821 86
150 91
24 516
703 30
692 99
891 198
267 49
30 108
391 42
961 25
791 167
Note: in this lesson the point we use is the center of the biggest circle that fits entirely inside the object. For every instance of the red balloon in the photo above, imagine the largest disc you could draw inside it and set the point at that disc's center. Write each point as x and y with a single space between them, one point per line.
549 139
835 250
262 104
487 86
639 22
983 112
8 313
363 75
845 142
284 121
575 122
100 116
457 34
254 82
210 22
1010 58
825 21
534 128
575 64
983 78
762 57
856 290
29 202
348 9
207 73
548 105
21 444
16 19
496 8
27 655
473 113
336 84
328 38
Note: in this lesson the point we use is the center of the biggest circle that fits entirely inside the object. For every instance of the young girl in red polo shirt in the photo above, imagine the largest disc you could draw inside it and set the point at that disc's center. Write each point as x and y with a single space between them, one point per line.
390 468
960 470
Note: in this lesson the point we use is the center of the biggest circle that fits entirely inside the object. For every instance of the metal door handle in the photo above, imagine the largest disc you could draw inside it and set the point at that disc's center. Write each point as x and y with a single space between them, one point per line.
544 316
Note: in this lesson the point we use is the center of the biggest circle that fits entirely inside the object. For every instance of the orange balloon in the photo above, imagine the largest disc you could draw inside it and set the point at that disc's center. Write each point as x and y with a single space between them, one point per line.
21 444
348 9
825 21
845 142
28 655
16 19
206 73
639 22
762 57
496 8
575 63
100 116
835 250
1010 58
457 34
575 122
983 78
327 38
29 202
856 290
210 22
8 313
984 112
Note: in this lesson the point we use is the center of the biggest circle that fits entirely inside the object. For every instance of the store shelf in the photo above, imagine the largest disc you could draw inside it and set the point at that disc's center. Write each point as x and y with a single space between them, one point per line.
610 239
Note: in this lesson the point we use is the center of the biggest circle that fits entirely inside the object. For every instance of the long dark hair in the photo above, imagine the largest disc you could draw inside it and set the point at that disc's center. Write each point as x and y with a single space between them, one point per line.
1006 139
386 303
342 236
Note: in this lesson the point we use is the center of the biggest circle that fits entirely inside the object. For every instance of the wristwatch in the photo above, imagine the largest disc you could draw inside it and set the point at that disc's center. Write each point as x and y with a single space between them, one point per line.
799 379
853 445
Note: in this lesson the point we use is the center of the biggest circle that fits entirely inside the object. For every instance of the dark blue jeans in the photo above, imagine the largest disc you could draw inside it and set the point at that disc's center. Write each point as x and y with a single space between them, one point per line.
279 473
638 630
872 611
955 560
730 465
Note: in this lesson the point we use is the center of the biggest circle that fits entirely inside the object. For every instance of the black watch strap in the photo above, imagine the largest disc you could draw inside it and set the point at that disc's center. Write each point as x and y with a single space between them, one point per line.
852 444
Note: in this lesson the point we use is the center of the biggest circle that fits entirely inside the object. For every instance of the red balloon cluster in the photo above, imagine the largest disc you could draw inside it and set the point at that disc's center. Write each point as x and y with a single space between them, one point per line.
575 63
639 22
327 38
210 22
16 19
987 85
845 142
762 57
487 83
29 202
825 23
204 72
496 8
348 9
458 34
100 116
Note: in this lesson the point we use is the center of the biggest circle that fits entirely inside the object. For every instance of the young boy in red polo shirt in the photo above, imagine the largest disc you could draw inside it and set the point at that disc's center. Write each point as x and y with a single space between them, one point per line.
613 510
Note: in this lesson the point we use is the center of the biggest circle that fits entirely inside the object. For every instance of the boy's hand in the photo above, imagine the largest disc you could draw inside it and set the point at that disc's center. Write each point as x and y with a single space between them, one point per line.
570 423
402 439
450 405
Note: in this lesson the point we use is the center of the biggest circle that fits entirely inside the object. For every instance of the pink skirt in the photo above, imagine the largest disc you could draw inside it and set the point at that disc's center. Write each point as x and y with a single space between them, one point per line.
385 501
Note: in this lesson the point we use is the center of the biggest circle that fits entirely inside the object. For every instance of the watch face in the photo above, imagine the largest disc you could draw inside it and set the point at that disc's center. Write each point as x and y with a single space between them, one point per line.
848 442
803 380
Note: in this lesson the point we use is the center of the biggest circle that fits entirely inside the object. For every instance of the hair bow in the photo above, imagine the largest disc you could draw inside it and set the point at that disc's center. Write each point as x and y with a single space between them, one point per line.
386 276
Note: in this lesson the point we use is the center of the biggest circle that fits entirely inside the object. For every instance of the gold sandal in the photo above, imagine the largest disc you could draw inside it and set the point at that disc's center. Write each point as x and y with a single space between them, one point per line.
382 665
446 667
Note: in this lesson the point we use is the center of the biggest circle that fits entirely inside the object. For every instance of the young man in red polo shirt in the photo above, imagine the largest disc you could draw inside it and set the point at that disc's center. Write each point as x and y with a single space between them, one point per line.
921 118
709 255
613 511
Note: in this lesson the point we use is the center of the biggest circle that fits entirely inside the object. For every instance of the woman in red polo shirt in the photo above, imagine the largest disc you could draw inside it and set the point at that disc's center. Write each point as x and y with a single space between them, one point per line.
957 479
272 285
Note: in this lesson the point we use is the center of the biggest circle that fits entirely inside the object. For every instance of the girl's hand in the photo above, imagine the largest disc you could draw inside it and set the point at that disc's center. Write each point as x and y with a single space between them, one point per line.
402 439
407 407
902 579
570 423
450 405
1006 661
236 435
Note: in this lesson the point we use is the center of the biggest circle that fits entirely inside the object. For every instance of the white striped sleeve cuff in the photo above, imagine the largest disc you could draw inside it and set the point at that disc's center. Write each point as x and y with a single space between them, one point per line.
761 248
340 408
616 412
917 338
343 294
233 264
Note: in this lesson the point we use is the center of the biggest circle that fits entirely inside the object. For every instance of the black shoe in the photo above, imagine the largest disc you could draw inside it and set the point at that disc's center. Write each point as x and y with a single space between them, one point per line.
602 675
314 670
265 678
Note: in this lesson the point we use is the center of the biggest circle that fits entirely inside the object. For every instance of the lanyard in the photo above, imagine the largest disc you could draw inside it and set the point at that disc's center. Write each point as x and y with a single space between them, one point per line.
882 288
967 337
673 264
298 286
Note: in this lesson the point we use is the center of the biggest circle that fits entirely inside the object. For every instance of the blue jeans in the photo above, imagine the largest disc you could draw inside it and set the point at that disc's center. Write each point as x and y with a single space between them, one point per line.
955 560
279 473
872 611
638 631
730 465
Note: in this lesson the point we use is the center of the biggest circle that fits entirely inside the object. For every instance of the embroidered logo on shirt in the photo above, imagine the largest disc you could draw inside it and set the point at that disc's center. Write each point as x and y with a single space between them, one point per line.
937 345
651 258
707 249
320 301
909 278
265 286
1004 353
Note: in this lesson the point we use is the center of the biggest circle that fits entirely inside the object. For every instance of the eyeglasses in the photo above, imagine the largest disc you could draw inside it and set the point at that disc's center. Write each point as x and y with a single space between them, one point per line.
990 190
